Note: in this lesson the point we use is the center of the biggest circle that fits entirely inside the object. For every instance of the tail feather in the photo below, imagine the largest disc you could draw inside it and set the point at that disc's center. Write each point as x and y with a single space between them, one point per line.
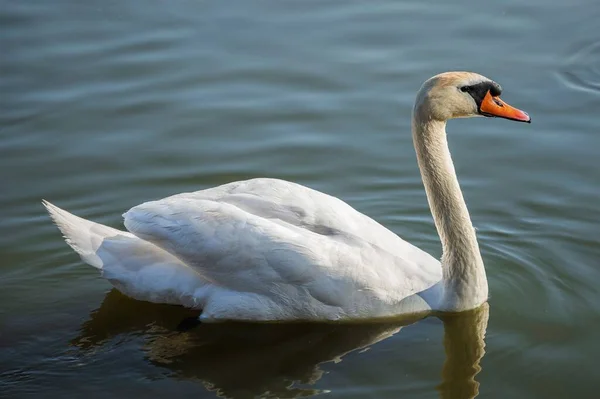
135 267
84 236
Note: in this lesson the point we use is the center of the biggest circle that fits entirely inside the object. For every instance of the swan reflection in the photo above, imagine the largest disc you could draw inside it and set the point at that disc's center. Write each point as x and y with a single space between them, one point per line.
270 360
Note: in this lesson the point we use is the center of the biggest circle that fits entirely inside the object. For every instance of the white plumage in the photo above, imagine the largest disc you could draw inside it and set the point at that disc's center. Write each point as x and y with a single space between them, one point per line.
267 249
240 251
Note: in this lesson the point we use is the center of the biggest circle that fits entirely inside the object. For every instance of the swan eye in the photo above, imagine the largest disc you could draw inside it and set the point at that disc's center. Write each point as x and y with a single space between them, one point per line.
464 88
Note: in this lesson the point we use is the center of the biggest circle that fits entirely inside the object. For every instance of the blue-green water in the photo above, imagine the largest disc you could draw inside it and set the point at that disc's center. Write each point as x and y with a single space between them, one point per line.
106 104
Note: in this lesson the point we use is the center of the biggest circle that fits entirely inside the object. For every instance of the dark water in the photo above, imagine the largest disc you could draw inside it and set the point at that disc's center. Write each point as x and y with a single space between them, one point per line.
106 104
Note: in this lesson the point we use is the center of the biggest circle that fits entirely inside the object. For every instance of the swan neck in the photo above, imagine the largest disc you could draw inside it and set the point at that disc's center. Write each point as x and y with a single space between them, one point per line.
464 279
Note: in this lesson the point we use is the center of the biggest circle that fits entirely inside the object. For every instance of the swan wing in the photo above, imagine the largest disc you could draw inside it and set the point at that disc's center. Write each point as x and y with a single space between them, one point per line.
291 246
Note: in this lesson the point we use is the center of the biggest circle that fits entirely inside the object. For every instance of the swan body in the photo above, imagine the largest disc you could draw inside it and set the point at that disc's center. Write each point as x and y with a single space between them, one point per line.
261 249
267 249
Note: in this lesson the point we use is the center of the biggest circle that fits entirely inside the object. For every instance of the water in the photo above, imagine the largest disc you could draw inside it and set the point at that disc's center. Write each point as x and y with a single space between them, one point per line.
107 104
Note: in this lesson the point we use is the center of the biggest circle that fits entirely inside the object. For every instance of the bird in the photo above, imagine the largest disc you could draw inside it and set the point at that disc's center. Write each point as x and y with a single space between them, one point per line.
265 250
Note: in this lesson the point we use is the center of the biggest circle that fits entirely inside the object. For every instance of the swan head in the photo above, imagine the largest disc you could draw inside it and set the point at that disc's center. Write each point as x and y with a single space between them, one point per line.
463 95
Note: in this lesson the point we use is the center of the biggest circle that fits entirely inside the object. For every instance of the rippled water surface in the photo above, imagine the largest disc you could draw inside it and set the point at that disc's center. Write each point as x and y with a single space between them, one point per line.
106 104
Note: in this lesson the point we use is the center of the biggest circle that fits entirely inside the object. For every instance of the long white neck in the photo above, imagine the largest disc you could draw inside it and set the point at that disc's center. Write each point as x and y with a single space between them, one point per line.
464 279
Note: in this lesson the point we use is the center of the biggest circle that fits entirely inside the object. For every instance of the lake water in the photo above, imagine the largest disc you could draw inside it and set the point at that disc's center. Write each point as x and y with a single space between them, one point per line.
107 104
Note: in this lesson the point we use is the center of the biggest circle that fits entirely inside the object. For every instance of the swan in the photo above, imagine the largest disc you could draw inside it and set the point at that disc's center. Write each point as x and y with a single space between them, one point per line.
272 250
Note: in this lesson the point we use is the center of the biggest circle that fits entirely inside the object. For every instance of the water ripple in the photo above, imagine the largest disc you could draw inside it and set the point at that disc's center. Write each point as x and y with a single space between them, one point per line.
581 69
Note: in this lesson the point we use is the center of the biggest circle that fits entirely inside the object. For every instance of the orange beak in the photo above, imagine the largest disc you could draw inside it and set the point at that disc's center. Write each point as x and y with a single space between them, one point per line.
494 106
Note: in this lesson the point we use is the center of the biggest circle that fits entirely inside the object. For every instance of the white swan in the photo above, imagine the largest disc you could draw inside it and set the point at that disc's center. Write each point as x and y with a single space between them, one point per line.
267 249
